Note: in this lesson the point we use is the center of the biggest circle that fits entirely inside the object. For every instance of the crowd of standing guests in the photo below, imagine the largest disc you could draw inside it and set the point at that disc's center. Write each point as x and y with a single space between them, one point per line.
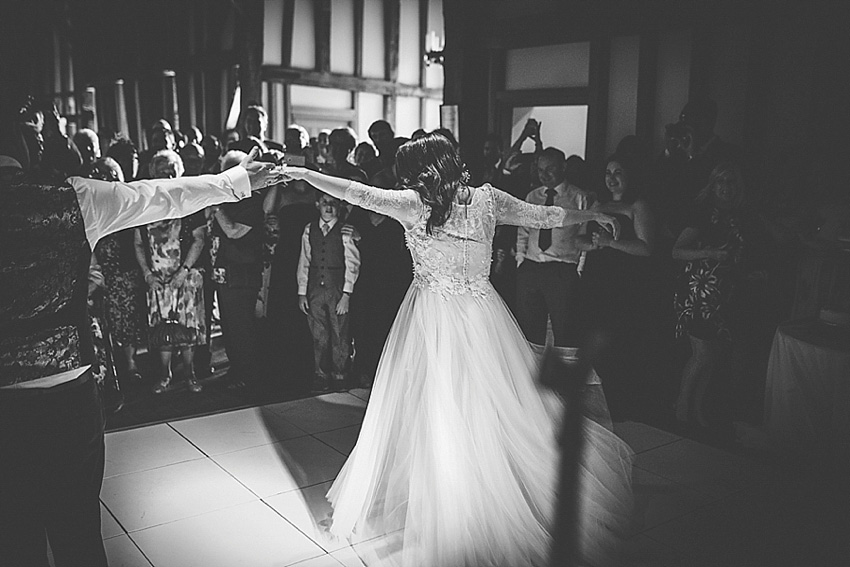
670 301
304 288
280 293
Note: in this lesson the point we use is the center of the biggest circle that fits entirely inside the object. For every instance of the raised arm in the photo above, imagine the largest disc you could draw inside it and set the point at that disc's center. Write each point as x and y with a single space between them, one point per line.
108 207
403 205
510 210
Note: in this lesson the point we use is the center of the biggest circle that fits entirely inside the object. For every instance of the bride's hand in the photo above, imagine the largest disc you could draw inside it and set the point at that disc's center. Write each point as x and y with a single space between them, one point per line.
260 174
610 223
291 173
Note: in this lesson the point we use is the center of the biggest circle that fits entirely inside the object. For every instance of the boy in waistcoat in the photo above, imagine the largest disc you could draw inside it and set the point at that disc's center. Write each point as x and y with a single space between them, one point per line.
327 270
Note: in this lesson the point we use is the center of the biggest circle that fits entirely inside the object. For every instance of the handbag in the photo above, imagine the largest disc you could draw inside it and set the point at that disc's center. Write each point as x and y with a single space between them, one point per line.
169 330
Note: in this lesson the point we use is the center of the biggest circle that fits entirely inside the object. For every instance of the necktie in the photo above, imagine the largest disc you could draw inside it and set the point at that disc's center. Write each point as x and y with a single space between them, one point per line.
325 229
544 240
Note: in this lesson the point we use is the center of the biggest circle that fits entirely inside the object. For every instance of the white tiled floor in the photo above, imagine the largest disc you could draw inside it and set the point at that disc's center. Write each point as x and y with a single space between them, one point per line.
247 488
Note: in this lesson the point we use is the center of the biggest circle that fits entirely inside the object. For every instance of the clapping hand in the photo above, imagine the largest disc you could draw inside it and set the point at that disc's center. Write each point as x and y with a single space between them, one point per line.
602 238
611 224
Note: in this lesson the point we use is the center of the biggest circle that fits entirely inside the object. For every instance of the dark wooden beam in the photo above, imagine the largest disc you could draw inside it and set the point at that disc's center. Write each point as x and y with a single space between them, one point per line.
498 69
322 21
392 24
423 32
423 72
597 99
359 8
288 24
346 82
249 41
647 83
544 97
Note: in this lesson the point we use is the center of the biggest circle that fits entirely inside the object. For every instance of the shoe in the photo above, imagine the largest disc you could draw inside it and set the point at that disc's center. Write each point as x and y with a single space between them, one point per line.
338 384
193 385
320 384
162 385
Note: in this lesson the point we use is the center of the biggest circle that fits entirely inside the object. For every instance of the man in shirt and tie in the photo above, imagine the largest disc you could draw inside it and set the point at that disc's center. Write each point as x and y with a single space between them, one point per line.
548 260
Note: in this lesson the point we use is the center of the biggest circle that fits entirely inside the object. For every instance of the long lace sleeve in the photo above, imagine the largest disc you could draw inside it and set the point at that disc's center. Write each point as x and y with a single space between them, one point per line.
510 210
404 205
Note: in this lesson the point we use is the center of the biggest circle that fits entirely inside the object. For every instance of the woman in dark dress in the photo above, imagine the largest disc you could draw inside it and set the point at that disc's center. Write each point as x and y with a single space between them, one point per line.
123 289
712 246
290 348
617 288
385 274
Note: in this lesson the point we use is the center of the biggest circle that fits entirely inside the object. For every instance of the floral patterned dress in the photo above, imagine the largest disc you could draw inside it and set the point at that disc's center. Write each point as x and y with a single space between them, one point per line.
124 297
181 307
706 287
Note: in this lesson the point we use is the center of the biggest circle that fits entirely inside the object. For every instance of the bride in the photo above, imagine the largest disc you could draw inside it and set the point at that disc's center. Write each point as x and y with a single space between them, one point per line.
457 460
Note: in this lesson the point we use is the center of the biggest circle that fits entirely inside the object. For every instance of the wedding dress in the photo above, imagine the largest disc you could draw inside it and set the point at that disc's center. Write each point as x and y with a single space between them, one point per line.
457 460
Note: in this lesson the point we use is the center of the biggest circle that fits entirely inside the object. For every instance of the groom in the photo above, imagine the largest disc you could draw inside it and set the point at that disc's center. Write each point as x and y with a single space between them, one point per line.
51 420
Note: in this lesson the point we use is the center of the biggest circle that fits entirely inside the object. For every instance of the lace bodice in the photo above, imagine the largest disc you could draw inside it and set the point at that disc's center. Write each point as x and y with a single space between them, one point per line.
455 258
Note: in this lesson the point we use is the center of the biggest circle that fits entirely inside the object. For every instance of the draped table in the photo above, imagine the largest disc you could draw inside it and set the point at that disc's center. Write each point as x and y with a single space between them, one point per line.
807 393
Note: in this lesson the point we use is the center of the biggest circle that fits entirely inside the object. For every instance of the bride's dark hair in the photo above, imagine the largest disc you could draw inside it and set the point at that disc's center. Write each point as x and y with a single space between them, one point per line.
431 166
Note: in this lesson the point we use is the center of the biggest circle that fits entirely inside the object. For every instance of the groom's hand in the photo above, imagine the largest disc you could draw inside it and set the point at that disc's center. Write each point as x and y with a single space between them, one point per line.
260 174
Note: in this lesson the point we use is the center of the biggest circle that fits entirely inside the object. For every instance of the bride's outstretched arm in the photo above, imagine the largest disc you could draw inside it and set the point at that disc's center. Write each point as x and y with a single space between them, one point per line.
510 210
402 205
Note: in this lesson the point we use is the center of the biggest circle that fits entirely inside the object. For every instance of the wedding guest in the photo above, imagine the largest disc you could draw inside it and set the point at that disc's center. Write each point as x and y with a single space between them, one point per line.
548 260
617 292
715 249
123 288
51 420
167 252
327 271
237 246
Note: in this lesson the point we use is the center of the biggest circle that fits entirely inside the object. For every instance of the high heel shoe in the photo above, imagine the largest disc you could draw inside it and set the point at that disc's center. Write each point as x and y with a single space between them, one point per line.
193 384
162 385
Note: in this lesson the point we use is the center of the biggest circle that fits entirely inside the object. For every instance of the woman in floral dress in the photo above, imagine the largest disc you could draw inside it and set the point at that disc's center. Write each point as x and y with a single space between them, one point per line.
167 252
713 246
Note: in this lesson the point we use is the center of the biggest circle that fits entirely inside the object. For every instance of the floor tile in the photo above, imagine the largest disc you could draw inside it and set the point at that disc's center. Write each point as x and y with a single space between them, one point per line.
108 526
323 561
343 439
348 557
362 393
250 534
323 413
146 448
659 500
149 498
236 430
642 551
271 469
122 552
642 437
701 468
309 511
730 533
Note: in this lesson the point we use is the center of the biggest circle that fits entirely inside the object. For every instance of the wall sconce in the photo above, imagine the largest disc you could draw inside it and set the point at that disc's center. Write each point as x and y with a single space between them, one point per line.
434 45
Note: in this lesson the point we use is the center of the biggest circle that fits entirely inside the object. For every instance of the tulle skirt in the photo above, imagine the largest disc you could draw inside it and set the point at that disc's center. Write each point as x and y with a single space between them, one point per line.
457 460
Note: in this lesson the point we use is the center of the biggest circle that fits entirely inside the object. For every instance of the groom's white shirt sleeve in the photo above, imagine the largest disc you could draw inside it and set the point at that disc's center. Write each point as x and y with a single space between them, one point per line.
109 207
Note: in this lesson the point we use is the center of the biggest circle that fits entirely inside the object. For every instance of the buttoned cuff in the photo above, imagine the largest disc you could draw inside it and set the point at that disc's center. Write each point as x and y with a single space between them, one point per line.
239 182
302 290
